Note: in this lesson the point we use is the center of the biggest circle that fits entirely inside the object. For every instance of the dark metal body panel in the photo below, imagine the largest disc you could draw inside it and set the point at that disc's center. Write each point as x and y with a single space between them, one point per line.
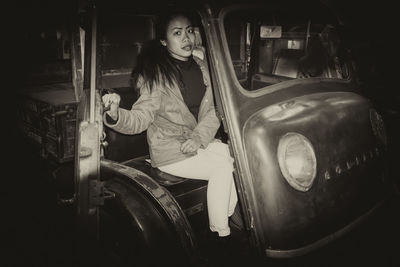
284 222
343 189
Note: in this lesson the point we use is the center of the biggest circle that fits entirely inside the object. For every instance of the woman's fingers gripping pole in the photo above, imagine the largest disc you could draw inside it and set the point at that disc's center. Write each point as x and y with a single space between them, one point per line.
111 104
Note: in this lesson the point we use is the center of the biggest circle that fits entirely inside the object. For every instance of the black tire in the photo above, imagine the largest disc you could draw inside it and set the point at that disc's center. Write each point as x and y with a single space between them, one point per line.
135 232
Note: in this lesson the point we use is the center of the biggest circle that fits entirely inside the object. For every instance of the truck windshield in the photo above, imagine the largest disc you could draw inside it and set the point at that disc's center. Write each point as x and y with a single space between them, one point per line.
274 45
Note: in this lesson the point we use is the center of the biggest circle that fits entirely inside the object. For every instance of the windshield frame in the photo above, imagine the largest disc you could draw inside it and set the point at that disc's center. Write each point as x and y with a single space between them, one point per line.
269 88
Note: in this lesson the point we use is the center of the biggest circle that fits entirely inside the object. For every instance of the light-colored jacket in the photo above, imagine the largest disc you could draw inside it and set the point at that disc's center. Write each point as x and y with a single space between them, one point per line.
168 121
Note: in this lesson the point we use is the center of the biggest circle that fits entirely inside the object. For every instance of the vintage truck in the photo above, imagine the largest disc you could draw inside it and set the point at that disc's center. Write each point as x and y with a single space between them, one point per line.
309 150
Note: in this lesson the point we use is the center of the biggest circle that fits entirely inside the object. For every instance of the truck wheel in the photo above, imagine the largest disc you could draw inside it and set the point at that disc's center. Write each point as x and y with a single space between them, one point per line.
135 231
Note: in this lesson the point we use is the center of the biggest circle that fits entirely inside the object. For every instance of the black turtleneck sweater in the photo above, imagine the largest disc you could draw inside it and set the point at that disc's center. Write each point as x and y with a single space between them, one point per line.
193 88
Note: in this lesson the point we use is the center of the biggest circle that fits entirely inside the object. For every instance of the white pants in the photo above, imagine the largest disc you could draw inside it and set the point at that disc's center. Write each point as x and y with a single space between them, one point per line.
215 165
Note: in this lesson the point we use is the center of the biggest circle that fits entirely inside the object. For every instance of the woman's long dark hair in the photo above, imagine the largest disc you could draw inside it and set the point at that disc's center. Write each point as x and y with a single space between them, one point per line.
154 64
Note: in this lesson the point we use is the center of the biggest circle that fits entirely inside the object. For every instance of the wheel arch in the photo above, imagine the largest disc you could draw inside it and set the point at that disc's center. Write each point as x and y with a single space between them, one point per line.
151 209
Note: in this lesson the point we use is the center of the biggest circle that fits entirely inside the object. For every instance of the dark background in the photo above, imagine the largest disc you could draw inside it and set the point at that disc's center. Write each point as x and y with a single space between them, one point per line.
39 232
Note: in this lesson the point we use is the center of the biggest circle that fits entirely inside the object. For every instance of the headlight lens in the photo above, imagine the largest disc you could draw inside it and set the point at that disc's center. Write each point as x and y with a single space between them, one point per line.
297 161
378 126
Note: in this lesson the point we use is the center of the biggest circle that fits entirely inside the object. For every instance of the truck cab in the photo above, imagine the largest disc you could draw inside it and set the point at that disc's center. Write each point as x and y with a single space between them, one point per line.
309 150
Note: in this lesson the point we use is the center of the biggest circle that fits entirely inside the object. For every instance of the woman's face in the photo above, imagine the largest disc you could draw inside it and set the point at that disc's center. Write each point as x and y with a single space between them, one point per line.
179 38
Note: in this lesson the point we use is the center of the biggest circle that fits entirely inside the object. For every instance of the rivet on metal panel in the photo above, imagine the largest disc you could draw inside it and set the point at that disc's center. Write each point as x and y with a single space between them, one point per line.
327 175
349 165
104 143
364 157
85 152
338 169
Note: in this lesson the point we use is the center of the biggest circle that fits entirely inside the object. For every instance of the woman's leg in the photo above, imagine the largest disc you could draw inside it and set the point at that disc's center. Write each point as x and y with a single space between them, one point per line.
215 165
222 149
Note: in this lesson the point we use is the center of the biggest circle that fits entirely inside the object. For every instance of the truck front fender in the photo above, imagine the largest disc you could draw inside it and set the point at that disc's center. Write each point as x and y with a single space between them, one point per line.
152 213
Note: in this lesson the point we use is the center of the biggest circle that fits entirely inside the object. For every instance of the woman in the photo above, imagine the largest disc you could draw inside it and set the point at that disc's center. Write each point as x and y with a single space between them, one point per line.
176 107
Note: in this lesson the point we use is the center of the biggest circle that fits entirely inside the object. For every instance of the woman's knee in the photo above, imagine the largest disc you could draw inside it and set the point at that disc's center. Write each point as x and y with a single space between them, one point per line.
220 149
223 170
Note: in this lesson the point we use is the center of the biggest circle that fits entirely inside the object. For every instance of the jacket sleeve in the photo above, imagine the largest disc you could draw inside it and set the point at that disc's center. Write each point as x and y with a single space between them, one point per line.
208 122
207 126
141 115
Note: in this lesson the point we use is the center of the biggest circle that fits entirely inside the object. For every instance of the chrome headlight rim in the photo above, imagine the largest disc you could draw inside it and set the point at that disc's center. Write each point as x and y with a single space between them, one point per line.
283 145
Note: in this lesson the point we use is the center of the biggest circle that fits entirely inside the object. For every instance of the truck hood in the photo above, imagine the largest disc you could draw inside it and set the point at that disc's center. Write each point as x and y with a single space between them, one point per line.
349 171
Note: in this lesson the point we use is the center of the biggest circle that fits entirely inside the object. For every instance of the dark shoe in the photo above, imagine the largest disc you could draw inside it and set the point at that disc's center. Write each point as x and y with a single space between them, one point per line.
225 251
224 241
224 246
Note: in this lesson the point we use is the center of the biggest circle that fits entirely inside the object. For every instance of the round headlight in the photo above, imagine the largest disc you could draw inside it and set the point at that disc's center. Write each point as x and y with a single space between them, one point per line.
378 126
297 161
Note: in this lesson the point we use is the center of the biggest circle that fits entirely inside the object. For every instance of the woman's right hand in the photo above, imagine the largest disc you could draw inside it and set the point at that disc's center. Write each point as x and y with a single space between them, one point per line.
111 102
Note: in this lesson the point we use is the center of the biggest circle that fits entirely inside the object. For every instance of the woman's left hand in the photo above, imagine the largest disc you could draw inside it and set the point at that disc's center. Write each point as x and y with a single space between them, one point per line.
190 146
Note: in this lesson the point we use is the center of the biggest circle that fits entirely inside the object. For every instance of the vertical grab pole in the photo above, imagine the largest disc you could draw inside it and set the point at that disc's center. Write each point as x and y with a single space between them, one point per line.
93 66
88 187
